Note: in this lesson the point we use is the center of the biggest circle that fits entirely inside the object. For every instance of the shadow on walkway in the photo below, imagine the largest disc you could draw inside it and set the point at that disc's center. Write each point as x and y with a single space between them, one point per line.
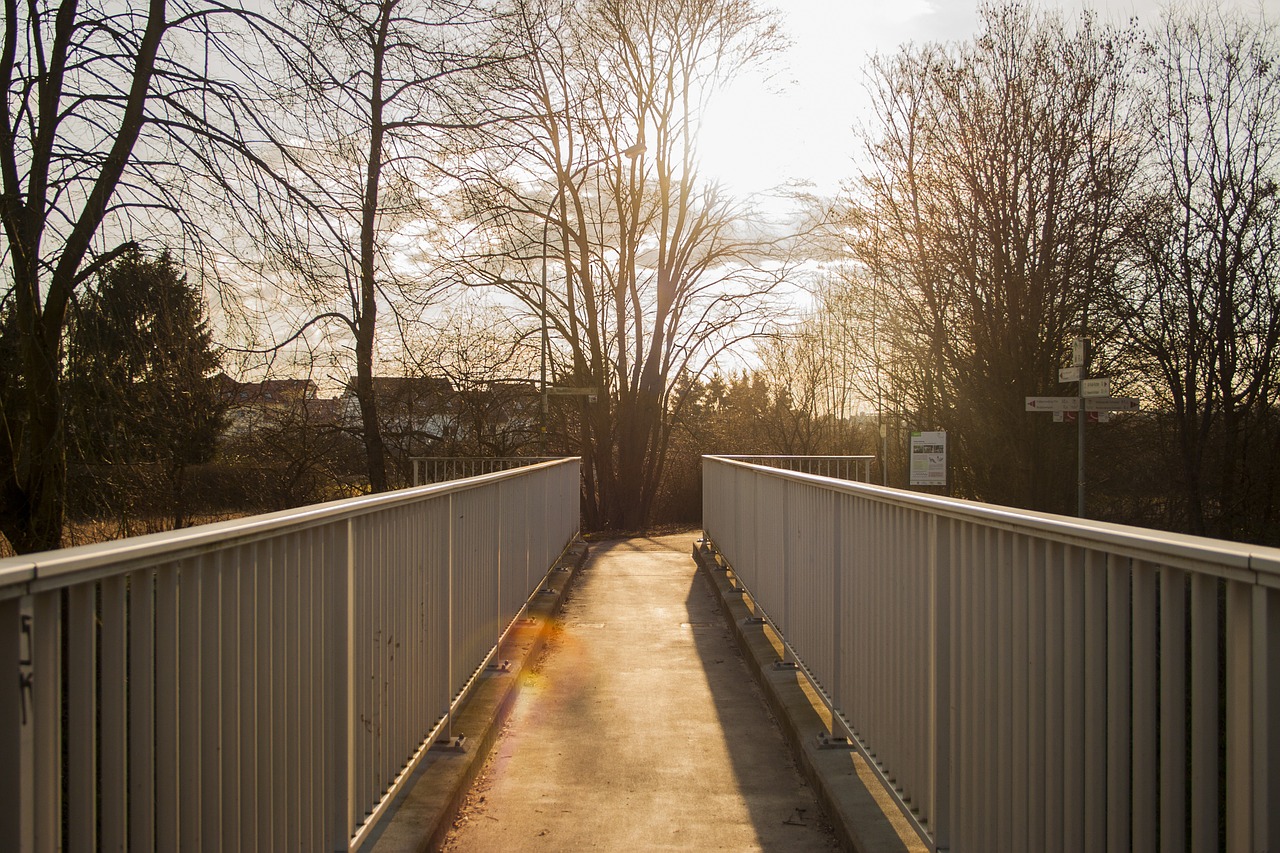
641 727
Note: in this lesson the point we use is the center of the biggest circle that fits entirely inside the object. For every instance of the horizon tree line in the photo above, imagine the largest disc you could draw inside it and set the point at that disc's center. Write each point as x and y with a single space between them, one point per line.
330 176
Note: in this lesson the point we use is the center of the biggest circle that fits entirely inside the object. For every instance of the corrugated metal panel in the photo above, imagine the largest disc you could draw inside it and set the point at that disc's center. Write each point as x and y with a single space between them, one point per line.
259 684
1023 681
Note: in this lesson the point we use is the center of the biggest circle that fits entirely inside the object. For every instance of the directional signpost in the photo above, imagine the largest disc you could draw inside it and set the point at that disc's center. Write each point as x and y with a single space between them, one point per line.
1094 403
572 391
1053 404
1111 404
549 391
1095 388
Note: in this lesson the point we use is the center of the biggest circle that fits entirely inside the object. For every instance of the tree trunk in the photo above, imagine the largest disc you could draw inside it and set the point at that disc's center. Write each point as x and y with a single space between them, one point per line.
375 450
367 316
36 481
177 481
33 490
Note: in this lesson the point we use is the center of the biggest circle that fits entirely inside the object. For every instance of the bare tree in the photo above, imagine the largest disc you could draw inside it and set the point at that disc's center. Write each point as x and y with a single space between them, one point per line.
489 357
988 225
363 116
103 103
807 370
592 214
1204 312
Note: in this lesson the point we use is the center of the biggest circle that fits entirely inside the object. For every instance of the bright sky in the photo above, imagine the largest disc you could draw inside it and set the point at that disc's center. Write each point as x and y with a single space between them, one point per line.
799 125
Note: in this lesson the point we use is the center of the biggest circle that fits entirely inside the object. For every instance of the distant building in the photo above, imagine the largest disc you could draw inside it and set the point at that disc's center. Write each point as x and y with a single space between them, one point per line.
251 405
414 408
504 414
429 415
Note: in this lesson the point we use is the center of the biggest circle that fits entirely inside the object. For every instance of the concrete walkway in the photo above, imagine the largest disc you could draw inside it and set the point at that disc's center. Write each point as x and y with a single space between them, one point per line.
640 727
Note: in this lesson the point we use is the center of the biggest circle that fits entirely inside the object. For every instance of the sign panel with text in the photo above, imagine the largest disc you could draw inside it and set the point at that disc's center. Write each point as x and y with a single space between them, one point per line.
1111 404
1095 388
1052 404
929 458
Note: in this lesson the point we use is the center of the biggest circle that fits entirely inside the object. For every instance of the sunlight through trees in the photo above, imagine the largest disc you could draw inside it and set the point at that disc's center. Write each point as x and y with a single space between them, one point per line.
342 184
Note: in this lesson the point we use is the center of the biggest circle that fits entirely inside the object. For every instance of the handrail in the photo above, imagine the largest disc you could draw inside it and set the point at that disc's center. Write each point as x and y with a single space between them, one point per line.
263 683
428 469
1233 559
171 544
837 466
1022 680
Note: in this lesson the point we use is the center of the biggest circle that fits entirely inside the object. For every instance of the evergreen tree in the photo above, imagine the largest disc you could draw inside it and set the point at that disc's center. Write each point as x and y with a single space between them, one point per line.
141 378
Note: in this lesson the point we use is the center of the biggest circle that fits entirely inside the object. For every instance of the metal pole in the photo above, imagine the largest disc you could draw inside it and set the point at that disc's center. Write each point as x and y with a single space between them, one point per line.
1080 458
545 342
1080 417
884 453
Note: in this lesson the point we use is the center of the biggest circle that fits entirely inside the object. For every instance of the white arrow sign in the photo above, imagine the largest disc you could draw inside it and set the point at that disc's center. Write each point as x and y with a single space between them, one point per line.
571 391
1070 374
1110 404
1078 352
1096 388
1052 404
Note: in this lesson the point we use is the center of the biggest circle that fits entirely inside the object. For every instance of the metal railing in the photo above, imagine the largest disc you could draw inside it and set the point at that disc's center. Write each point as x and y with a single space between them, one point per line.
440 469
265 683
1024 681
856 468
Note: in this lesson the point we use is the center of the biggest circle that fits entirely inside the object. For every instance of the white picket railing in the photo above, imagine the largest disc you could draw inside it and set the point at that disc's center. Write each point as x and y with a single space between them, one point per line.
264 683
841 467
438 469
1024 681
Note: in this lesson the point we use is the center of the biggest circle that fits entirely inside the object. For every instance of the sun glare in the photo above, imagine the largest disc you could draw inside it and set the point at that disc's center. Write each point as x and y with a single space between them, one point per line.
793 120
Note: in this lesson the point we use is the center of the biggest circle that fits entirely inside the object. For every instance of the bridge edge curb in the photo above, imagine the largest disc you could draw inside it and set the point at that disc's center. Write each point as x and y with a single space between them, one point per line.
863 821
424 815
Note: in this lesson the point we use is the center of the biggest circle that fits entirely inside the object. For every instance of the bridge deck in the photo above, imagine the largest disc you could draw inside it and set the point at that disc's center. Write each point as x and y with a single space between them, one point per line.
641 728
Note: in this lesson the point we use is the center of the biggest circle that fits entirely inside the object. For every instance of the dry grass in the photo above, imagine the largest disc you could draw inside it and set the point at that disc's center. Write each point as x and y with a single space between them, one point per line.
102 530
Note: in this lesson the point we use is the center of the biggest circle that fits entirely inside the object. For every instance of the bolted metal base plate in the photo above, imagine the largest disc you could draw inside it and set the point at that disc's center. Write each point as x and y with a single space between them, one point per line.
457 743
826 741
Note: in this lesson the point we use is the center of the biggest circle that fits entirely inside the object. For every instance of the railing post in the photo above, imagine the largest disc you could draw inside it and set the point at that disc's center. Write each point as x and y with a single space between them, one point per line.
1205 722
1239 719
348 634
837 597
497 586
786 567
22 714
1119 703
1173 715
1266 717
1145 693
940 702
45 729
449 694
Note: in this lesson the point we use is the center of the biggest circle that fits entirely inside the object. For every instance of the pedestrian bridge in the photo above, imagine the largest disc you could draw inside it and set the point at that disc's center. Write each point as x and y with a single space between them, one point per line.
1016 681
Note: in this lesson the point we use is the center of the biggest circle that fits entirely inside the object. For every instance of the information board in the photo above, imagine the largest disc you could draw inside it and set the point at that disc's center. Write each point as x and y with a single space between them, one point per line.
928 458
